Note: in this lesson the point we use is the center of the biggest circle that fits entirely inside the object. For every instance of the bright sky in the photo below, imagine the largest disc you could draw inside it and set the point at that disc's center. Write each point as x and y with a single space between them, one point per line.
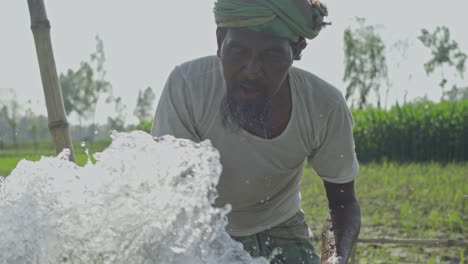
145 39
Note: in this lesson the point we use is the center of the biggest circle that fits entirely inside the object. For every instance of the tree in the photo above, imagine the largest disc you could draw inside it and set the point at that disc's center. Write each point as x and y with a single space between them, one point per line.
365 62
144 107
82 88
32 126
10 112
457 93
445 54
117 122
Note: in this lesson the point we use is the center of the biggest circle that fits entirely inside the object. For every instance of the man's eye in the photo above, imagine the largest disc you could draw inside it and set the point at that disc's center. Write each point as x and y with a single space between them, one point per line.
275 54
236 50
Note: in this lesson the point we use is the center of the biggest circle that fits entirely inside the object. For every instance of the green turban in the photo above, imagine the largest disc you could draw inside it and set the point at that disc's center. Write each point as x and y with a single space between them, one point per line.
283 18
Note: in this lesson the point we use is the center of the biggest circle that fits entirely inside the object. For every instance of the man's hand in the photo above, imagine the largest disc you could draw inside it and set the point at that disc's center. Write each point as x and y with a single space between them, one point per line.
343 225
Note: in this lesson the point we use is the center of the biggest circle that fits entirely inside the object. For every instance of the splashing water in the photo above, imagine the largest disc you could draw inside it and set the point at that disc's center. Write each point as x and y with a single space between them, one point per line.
144 201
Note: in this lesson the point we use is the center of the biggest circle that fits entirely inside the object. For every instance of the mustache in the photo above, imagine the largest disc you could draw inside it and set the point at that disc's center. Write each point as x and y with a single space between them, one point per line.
253 84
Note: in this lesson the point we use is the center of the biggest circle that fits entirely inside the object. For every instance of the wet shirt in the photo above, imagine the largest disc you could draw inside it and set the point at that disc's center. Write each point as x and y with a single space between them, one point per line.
260 177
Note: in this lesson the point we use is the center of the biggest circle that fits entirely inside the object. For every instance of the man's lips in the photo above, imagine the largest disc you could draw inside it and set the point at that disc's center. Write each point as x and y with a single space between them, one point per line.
249 91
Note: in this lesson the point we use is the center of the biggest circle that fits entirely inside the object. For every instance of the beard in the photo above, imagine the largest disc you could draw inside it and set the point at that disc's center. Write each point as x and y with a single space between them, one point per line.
255 117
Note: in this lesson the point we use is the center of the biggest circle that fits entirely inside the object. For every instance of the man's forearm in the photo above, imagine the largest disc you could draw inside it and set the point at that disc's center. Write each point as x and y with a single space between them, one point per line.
342 230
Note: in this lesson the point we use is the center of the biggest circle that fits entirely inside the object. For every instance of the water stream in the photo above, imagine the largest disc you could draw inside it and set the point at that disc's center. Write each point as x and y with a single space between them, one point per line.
143 201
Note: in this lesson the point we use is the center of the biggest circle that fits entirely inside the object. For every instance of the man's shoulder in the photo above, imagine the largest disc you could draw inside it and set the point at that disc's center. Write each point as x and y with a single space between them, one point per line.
201 84
315 88
200 67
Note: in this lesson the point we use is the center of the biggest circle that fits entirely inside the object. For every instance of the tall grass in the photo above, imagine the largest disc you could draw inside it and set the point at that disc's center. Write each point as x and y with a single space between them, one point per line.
418 132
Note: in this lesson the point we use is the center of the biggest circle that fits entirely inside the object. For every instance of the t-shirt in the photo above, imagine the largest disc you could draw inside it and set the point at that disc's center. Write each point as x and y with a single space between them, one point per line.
261 177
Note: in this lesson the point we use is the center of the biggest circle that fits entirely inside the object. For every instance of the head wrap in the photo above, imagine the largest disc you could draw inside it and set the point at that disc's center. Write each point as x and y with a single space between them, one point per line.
283 18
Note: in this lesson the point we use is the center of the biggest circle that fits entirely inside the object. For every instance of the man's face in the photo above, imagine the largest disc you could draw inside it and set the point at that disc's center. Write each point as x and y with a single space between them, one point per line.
255 65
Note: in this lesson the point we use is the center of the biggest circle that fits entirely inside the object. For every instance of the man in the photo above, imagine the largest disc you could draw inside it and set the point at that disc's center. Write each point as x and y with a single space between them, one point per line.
267 118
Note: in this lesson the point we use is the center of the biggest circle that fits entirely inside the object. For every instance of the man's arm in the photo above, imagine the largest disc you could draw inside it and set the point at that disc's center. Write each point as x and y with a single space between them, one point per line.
343 226
336 163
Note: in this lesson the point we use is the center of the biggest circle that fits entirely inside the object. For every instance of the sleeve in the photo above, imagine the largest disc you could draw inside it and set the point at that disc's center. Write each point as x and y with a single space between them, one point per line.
174 114
335 159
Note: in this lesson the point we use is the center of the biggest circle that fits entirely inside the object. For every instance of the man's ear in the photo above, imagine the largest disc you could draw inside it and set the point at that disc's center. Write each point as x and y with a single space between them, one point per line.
298 47
220 34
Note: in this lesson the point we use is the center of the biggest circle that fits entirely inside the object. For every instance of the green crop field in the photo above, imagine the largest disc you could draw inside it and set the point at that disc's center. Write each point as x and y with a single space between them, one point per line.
423 201
10 156
415 200
417 132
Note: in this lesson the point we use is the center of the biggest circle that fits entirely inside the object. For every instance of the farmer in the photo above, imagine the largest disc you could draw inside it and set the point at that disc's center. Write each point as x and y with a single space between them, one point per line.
267 118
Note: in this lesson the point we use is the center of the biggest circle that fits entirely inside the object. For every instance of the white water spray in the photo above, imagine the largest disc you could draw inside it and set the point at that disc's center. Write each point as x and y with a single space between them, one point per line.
143 201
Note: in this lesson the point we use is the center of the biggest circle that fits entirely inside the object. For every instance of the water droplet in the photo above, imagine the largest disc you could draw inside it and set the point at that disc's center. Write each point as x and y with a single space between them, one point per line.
88 156
247 181
342 206
342 156
262 201
267 243
342 190
321 116
83 144
177 250
96 132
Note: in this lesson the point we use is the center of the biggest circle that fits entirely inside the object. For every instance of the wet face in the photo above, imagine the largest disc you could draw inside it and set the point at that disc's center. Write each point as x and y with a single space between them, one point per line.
255 67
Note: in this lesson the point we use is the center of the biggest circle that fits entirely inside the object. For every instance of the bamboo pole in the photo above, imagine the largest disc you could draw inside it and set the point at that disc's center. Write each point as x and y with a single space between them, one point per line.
329 253
352 258
401 241
425 242
58 124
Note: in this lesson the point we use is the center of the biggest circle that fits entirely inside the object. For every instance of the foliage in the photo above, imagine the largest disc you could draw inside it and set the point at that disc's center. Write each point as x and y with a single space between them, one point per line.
365 62
144 106
422 131
81 88
457 93
445 52
143 125
118 122
424 201
9 112
33 126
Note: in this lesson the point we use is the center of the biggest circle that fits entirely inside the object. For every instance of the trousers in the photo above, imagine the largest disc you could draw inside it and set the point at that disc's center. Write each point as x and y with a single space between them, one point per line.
287 243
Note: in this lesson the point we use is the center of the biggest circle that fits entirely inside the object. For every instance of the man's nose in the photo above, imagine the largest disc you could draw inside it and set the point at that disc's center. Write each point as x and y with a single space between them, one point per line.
253 68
